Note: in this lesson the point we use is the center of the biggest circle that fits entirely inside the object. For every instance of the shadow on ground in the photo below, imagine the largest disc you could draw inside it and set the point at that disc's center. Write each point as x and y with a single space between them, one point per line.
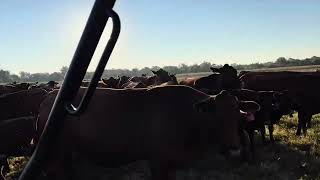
289 158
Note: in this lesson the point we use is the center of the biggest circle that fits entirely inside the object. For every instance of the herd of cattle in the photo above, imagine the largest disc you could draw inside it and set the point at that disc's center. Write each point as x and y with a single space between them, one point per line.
157 118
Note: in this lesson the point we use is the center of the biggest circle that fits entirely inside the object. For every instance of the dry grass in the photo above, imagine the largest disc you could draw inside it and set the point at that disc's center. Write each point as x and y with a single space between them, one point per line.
291 157
293 68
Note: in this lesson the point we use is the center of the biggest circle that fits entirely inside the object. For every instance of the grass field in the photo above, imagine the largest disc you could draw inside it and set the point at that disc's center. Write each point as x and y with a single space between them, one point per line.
291 157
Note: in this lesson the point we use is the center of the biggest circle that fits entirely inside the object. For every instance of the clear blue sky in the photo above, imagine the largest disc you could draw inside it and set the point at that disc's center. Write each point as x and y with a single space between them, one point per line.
41 36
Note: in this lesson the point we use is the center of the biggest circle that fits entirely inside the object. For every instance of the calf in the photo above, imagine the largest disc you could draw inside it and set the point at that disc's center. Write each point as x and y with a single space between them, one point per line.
273 105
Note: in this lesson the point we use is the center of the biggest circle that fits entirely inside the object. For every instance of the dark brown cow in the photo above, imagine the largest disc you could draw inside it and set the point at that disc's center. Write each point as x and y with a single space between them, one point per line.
22 85
17 119
49 86
225 78
170 126
273 105
209 84
122 80
110 82
11 88
229 77
303 87
173 81
161 77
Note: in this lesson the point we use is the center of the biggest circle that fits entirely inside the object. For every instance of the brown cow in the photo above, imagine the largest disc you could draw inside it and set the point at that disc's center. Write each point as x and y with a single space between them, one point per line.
17 119
303 87
169 126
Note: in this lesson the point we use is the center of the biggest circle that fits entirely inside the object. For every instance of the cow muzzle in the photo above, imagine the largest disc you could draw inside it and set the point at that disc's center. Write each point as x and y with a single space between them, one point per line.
242 153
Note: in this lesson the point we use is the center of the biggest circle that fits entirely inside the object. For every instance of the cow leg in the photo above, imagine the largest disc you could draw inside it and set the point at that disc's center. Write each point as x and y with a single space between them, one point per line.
301 122
263 134
308 121
59 163
246 145
270 127
251 137
4 166
161 171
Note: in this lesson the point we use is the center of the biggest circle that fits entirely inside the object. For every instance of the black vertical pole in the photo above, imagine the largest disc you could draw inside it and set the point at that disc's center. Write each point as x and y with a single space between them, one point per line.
78 67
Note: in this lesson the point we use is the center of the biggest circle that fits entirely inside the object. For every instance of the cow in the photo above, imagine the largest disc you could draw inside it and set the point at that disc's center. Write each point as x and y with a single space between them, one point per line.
210 84
102 84
273 105
173 81
13 87
17 119
122 80
224 78
303 88
49 86
241 73
130 85
110 82
160 77
22 85
168 125
229 77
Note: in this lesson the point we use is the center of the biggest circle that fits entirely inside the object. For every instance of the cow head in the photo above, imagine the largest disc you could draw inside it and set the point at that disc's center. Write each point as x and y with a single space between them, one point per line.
161 76
283 103
111 82
229 77
122 80
225 109
225 70
52 84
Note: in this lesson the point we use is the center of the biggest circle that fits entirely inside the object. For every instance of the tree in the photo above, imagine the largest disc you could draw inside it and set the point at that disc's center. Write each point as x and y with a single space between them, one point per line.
281 61
24 76
4 76
64 71
14 77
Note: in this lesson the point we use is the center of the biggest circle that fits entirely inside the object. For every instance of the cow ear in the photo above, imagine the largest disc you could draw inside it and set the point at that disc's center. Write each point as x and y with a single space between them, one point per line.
154 72
206 105
249 106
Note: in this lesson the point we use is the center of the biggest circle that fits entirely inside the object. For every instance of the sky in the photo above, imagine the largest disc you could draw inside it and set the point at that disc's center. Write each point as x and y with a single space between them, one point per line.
41 36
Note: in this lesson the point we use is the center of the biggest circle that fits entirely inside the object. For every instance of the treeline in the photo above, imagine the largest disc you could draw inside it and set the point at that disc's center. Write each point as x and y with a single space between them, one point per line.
6 76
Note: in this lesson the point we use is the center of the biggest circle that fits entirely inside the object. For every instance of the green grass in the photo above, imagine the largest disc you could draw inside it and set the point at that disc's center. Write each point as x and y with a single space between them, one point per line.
291 157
